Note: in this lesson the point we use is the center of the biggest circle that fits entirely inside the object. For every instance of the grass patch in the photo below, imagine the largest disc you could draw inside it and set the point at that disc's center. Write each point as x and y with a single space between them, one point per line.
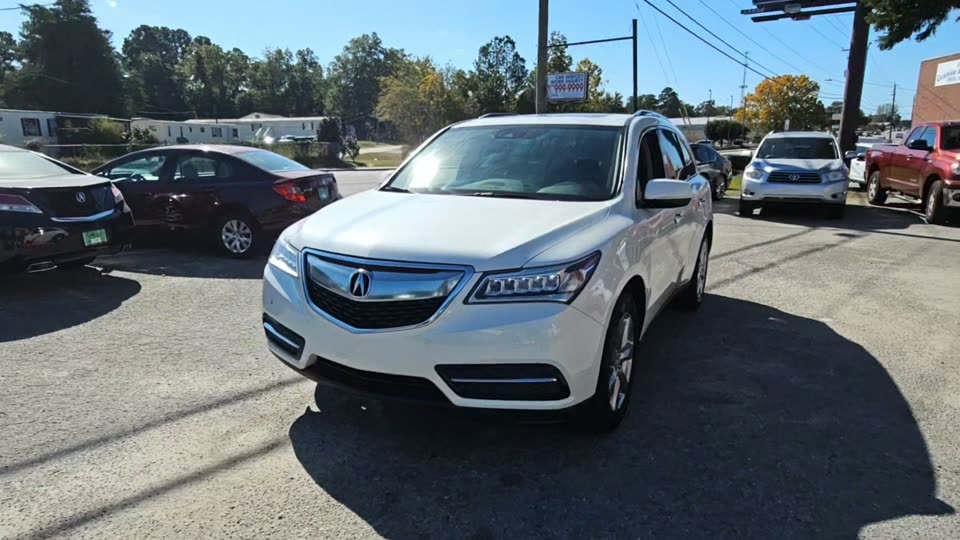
379 159
368 144
735 183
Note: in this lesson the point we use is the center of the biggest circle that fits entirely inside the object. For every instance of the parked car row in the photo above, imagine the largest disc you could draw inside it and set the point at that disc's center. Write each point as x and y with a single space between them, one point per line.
54 215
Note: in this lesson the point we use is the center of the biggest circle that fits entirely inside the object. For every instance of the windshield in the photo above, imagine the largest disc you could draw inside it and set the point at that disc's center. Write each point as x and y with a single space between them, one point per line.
28 164
950 137
797 148
535 162
271 162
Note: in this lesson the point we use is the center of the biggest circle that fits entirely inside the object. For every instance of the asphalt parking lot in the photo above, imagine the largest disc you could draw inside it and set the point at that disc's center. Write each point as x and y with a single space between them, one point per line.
815 394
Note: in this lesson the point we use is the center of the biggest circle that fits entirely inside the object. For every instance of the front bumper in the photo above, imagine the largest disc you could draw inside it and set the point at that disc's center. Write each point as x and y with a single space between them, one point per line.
548 351
770 192
951 196
27 239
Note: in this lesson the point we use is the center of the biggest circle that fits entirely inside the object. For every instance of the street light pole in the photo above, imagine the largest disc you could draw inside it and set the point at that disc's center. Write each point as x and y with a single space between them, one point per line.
541 105
635 104
856 63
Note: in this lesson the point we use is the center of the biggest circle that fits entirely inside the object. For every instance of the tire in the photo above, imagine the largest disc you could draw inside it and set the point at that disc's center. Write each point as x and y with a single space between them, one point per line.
607 407
236 235
875 194
692 294
77 263
836 211
746 209
720 188
933 208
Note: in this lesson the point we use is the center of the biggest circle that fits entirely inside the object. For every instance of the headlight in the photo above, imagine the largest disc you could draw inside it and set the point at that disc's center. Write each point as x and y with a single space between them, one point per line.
955 168
752 173
285 258
835 176
560 283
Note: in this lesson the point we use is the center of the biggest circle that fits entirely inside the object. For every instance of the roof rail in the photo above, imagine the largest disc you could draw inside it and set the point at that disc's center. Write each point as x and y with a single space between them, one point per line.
492 114
653 114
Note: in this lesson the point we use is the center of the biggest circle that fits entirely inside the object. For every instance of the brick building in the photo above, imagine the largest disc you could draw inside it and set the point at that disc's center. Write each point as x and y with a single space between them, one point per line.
938 90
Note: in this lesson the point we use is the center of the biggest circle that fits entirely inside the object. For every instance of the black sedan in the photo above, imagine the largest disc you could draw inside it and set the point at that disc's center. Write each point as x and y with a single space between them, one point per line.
53 215
233 195
714 167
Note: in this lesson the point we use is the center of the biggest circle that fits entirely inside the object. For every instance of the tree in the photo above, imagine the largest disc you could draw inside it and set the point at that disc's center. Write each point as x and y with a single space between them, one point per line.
598 100
647 102
897 20
886 112
151 55
418 99
500 74
669 104
67 62
724 130
354 75
306 92
706 108
777 99
558 61
214 79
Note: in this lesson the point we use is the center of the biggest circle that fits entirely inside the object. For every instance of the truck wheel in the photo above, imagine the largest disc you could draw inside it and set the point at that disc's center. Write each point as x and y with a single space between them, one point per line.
746 209
720 188
875 194
933 207
604 411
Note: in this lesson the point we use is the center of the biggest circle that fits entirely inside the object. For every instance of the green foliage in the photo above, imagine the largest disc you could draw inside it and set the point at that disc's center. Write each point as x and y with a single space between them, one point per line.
777 99
558 61
213 78
897 20
67 62
95 131
499 75
724 130
354 75
151 55
669 104
142 136
419 99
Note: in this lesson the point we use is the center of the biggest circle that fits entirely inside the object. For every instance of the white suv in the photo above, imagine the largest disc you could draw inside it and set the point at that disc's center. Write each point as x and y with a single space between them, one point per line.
512 262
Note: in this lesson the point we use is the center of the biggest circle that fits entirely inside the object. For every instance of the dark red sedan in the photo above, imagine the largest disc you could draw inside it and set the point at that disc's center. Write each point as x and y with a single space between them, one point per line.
235 194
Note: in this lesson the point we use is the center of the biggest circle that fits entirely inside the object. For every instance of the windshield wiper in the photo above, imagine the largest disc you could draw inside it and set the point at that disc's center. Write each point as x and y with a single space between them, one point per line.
395 189
498 194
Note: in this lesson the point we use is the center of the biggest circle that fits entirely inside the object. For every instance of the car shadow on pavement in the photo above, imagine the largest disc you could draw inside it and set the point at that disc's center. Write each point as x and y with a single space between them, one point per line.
35 304
771 426
184 261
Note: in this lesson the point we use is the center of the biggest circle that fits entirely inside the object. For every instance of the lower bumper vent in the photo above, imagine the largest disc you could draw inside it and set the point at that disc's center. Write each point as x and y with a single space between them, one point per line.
517 382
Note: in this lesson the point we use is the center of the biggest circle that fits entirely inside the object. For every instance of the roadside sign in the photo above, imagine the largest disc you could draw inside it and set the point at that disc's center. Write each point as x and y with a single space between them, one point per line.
566 87
948 73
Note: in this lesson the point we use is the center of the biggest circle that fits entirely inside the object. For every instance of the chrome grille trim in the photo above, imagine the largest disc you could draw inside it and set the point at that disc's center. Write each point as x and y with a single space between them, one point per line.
380 266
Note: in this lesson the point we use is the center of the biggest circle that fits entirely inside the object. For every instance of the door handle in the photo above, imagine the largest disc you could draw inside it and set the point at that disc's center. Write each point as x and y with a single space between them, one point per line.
677 218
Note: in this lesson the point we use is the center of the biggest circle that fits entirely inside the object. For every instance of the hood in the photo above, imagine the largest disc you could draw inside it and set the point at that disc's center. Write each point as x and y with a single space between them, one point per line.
798 164
59 181
483 232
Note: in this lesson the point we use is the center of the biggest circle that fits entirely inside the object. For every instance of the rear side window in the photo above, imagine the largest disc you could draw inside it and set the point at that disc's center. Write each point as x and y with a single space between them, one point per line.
144 168
27 164
649 164
673 164
702 154
930 135
202 168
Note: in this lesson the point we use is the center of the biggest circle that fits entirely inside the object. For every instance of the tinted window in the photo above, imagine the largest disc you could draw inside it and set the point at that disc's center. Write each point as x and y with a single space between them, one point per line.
950 137
30 126
930 135
672 159
702 153
269 161
915 134
531 161
797 148
144 168
202 168
650 162
28 164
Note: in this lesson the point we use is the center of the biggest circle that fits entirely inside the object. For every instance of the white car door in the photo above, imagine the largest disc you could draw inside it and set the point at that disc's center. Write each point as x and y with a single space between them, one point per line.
688 223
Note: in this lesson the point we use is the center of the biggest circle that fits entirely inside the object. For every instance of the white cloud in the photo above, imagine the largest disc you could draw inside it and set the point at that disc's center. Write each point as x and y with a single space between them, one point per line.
112 3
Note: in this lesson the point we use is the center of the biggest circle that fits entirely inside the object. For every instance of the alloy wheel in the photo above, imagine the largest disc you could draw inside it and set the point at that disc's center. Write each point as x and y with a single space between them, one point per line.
702 270
931 204
872 186
621 363
237 236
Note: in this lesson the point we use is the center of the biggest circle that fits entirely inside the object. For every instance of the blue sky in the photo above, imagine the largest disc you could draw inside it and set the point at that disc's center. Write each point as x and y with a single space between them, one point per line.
451 31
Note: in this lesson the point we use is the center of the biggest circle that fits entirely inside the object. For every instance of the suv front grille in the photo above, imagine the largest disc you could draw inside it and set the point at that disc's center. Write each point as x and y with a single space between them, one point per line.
373 315
794 177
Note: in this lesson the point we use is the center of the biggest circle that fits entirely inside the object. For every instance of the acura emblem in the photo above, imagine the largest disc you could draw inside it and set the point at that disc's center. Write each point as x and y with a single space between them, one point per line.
81 197
360 283
794 177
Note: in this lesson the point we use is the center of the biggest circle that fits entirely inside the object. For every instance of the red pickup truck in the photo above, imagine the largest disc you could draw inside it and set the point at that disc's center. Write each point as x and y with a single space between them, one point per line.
925 166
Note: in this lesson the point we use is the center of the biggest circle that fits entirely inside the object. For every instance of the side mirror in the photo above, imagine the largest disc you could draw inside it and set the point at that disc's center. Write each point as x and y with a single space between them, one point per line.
666 193
850 154
918 144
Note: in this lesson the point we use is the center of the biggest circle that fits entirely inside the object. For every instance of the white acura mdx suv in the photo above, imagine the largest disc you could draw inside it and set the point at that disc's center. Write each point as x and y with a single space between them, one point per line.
511 262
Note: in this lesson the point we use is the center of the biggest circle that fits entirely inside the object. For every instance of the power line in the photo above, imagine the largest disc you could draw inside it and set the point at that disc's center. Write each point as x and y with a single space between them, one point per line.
711 45
25 6
707 30
824 36
652 45
747 36
666 54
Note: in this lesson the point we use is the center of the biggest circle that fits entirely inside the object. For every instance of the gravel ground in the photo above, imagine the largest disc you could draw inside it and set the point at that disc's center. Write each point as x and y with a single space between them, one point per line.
815 394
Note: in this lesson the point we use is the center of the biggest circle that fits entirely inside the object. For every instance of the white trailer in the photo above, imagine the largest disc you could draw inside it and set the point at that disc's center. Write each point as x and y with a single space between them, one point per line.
190 132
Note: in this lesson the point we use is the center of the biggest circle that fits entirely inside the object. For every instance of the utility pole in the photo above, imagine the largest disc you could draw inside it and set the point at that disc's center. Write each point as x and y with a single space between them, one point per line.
743 83
709 103
541 106
856 63
635 104
893 110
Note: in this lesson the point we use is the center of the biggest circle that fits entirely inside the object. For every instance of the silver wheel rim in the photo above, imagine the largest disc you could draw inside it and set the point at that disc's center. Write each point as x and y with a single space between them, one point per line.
702 270
236 236
872 186
621 363
931 202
